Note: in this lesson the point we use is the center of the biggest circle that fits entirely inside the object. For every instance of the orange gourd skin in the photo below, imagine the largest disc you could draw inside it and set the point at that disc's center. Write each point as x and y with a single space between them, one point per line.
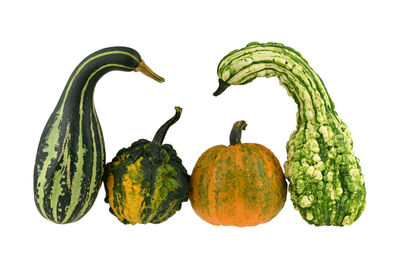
238 185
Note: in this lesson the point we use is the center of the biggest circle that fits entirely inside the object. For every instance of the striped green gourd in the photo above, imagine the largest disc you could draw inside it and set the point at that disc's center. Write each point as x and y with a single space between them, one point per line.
326 182
146 182
71 155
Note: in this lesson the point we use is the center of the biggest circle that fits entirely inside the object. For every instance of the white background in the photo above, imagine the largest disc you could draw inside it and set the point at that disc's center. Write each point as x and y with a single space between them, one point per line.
352 45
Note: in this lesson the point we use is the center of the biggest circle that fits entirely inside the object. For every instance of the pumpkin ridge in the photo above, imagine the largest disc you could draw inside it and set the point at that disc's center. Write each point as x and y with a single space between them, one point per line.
211 188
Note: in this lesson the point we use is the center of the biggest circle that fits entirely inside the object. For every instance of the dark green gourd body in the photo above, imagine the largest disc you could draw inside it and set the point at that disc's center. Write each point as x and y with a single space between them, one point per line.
71 155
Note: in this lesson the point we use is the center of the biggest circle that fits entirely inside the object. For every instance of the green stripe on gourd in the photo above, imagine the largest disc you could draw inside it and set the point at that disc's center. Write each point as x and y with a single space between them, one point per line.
326 181
71 154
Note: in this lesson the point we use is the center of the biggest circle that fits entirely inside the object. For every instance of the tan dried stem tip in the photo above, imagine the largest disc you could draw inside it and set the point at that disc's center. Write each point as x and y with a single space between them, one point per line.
143 68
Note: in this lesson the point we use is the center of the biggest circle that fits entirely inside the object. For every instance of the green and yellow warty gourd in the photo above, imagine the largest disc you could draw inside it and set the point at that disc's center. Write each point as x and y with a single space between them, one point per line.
147 182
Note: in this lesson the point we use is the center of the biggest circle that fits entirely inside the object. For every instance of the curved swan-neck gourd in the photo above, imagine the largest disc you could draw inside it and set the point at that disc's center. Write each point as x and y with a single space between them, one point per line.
326 182
71 155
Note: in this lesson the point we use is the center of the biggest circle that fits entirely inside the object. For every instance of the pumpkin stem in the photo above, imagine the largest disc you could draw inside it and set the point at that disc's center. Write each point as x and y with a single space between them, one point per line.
143 68
236 132
160 134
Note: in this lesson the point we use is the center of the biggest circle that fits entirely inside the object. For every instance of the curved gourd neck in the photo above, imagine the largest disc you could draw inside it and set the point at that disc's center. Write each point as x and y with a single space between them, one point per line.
294 73
84 78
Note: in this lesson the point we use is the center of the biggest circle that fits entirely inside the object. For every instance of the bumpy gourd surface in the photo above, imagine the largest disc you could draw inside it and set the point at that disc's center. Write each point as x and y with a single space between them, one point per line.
146 183
326 182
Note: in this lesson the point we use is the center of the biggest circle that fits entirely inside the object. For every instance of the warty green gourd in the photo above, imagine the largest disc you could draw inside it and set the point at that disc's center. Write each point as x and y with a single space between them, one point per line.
326 182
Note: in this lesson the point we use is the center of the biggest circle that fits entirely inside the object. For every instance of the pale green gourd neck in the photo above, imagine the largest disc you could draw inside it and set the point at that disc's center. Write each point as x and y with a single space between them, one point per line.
294 73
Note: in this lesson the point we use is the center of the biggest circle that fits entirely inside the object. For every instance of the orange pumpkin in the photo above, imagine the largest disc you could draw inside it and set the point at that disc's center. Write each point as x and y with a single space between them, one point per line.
239 185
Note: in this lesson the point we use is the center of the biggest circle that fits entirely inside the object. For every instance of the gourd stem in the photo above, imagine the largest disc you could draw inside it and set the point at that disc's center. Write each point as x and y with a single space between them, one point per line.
236 133
143 68
160 134
221 88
